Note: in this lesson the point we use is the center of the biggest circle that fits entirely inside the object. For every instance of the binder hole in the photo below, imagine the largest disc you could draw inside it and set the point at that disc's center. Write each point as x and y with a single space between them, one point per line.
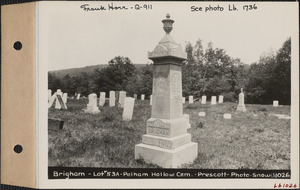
18 149
18 45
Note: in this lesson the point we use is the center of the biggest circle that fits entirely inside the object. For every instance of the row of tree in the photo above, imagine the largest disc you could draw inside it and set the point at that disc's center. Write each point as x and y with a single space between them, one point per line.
207 72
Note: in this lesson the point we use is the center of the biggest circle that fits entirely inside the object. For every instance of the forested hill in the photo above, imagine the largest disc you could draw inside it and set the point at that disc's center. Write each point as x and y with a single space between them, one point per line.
73 72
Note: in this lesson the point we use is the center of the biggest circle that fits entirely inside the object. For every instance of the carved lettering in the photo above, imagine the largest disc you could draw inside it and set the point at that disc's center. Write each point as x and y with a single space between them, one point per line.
158 131
165 144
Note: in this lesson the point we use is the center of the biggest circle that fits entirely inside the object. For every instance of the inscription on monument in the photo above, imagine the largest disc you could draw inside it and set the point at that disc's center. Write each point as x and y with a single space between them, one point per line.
165 144
158 131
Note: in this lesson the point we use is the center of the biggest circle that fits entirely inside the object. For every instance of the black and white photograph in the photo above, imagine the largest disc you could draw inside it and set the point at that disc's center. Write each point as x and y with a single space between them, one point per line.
171 90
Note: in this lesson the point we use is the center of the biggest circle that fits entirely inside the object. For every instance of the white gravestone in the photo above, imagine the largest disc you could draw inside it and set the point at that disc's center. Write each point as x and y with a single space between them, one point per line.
201 114
227 116
122 96
203 100
150 100
221 99
78 96
112 98
187 117
241 105
275 103
183 100
92 105
191 100
128 108
49 94
65 97
135 96
143 97
61 102
57 104
213 100
102 99
51 100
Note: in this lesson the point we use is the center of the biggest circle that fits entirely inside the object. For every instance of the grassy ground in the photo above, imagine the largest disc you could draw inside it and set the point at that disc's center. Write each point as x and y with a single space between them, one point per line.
250 140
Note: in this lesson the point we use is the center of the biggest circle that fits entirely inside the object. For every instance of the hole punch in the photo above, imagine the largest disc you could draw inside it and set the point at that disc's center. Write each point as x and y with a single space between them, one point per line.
18 45
18 149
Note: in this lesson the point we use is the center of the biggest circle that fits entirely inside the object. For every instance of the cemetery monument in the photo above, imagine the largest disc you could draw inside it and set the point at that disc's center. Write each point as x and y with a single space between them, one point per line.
167 142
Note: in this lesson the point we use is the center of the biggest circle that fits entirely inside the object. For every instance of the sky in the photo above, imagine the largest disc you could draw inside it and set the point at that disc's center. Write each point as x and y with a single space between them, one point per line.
73 37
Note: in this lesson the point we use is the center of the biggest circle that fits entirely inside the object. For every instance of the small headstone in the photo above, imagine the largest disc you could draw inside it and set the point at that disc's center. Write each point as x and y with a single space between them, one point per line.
221 99
122 96
135 96
49 94
203 100
55 124
57 104
191 100
213 100
143 97
150 100
201 114
92 105
112 98
65 97
102 99
128 108
183 100
241 105
275 103
60 102
53 97
78 96
187 117
227 116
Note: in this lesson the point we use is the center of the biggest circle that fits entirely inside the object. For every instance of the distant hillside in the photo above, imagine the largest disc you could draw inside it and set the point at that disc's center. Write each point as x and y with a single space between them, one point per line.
76 71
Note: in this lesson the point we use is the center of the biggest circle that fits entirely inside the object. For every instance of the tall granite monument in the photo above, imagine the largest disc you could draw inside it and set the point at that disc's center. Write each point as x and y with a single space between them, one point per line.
167 142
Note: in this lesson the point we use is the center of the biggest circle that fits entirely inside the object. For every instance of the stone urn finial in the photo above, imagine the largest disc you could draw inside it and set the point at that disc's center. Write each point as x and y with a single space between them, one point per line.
168 24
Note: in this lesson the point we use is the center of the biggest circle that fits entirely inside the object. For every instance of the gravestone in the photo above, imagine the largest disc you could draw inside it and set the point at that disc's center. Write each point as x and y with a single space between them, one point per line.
241 105
187 117
213 100
49 94
61 103
78 96
167 143
227 116
201 114
128 108
203 100
53 97
112 98
102 99
135 96
65 97
143 97
122 96
57 104
275 103
191 100
150 100
221 99
183 100
92 105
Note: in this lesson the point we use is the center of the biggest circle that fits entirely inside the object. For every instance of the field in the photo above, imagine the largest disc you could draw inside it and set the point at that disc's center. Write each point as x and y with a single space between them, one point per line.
251 140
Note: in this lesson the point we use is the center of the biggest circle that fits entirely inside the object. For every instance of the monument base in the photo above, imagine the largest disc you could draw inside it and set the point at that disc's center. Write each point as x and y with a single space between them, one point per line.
167 158
241 107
